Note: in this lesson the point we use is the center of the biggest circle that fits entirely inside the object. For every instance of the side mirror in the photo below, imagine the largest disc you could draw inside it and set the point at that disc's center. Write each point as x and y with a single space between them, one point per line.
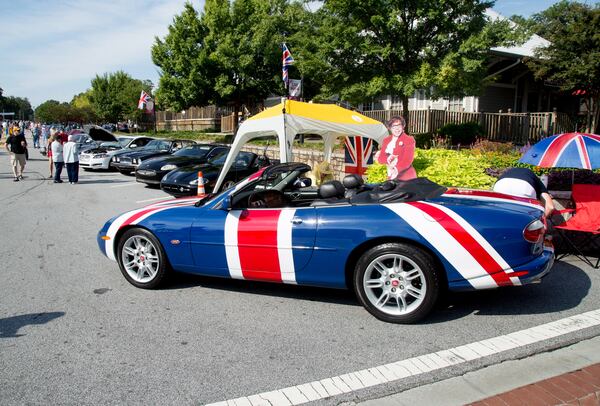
226 203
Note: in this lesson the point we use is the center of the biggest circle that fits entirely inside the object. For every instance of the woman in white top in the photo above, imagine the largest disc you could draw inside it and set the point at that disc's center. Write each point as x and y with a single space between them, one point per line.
71 157
57 157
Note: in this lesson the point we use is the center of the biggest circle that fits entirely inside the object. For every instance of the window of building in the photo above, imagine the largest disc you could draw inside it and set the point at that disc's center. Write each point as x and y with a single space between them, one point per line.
456 104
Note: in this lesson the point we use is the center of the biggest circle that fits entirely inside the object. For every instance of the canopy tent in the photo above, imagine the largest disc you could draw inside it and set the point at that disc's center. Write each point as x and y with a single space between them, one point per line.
290 118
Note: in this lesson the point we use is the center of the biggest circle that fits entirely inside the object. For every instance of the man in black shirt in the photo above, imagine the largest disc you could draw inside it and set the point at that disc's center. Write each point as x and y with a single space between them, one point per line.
524 183
15 145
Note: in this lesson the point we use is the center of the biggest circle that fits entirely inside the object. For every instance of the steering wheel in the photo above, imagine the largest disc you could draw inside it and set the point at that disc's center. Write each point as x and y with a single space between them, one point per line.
267 199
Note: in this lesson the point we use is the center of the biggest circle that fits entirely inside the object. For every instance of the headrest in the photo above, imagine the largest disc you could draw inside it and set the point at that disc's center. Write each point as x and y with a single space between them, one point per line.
352 181
332 188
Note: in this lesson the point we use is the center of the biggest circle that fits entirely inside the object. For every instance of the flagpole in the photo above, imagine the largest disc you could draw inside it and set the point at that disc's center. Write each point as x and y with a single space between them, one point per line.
154 114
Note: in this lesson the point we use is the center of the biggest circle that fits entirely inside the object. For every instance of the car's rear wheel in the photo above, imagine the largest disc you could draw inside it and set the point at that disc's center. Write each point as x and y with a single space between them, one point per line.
397 282
142 259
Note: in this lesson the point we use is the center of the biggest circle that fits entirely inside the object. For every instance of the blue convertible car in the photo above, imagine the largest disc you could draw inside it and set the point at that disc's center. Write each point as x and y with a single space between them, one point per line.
397 244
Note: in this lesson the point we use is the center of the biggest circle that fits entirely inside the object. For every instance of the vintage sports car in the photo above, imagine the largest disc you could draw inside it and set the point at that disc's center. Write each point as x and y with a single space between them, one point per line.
152 170
109 146
397 244
184 181
129 161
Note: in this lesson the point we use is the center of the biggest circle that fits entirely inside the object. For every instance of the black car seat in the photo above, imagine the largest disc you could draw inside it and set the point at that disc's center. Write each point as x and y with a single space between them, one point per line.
330 192
353 184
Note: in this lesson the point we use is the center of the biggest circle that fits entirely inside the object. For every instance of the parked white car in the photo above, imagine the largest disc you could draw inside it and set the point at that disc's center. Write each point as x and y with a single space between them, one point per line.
99 158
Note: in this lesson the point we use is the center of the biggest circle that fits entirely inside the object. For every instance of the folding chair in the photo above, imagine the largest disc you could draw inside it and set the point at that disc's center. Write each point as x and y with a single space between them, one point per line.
584 224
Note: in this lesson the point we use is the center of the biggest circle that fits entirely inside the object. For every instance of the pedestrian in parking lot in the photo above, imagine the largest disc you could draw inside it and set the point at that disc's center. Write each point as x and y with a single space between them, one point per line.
36 132
57 157
71 157
49 155
16 145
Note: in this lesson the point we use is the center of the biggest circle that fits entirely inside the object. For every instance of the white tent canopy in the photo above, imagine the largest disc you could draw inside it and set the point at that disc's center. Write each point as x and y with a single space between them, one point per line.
290 118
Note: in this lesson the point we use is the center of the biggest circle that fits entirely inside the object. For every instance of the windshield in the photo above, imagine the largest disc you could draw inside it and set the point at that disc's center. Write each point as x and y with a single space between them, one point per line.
197 151
124 141
158 145
242 159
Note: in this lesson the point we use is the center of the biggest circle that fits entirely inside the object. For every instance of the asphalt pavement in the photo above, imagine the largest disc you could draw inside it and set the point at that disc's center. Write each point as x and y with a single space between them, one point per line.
73 331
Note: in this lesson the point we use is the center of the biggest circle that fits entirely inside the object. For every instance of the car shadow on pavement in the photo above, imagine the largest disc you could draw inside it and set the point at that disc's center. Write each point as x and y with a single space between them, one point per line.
337 296
10 326
92 181
562 289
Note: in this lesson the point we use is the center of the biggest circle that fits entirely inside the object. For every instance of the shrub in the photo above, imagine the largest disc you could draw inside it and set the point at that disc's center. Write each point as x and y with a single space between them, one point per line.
461 134
376 173
491 146
423 140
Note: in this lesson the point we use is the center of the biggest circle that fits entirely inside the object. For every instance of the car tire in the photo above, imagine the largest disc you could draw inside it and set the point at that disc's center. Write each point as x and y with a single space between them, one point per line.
142 259
397 282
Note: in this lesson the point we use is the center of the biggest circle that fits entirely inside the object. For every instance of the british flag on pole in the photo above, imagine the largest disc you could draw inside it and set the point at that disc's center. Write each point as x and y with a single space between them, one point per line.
358 154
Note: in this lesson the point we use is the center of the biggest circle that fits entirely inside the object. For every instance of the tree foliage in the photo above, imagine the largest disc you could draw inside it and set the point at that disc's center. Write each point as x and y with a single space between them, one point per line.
230 53
52 111
114 96
359 49
18 105
572 60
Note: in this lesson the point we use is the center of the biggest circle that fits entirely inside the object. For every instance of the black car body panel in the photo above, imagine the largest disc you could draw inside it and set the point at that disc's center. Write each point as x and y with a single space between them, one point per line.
151 171
128 162
184 181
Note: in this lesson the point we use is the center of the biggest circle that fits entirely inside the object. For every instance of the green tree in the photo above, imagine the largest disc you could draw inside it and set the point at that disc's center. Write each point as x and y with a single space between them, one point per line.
572 60
359 49
115 96
183 62
230 53
18 105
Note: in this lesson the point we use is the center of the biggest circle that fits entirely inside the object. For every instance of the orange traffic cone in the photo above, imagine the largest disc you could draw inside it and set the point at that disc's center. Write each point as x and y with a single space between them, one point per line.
201 191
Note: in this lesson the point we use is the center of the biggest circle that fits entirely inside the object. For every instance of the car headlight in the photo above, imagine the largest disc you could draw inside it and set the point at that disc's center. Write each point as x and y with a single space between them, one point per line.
168 167
100 156
116 159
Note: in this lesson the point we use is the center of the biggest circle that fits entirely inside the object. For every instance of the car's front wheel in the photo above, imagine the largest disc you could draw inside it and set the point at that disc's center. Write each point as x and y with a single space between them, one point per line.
397 282
142 259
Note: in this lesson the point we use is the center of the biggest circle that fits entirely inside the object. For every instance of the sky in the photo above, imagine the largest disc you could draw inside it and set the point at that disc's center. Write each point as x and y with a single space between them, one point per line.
52 49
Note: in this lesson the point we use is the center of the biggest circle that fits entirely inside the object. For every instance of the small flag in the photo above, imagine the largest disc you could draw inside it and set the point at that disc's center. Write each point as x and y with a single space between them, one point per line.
358 154
286 60
295 87
144 98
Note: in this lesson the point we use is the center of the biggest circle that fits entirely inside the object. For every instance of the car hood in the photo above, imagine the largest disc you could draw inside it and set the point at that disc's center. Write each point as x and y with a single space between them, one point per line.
158 162
141 154
188 173
100 134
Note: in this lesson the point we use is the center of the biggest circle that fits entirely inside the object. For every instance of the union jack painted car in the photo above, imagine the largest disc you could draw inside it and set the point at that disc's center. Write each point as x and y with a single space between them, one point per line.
397 244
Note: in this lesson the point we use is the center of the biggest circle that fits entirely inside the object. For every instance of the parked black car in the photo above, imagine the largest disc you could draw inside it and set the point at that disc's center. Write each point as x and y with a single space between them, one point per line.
151 171
184 181
127 163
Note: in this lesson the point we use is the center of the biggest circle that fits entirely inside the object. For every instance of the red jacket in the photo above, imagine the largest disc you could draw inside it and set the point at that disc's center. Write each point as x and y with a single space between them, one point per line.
399 163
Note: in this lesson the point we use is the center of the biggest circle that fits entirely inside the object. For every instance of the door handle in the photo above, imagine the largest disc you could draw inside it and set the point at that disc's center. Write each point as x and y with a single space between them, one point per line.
296 220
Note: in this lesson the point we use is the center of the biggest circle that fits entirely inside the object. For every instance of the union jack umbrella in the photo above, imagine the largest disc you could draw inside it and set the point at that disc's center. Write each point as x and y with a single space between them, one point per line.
358 154
568 150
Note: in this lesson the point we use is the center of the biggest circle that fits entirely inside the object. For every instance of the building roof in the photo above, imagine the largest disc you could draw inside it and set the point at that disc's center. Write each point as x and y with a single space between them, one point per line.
526 49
